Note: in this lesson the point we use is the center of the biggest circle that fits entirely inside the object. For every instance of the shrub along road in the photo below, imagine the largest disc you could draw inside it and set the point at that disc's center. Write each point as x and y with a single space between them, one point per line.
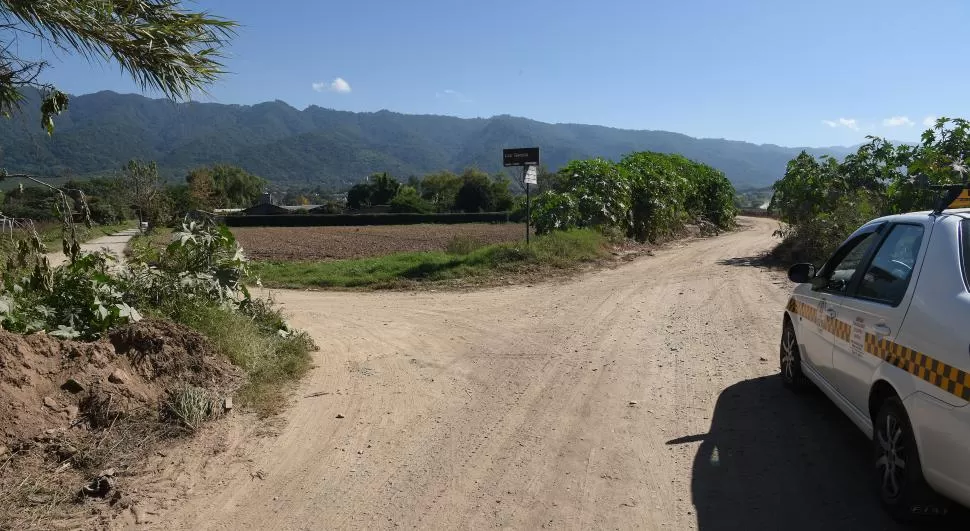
644 396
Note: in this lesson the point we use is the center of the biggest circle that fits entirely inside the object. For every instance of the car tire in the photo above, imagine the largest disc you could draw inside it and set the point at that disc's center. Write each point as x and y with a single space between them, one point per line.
898 475
791 360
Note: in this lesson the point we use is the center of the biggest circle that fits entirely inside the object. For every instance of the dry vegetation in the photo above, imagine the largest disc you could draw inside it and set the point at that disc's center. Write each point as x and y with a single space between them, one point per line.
341 243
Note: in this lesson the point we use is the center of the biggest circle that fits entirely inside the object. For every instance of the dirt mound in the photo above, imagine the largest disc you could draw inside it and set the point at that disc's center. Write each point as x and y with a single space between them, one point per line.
76 407
162 349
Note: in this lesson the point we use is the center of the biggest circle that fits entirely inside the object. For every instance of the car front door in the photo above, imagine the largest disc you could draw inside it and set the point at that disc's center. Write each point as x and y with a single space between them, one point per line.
831 284
875 304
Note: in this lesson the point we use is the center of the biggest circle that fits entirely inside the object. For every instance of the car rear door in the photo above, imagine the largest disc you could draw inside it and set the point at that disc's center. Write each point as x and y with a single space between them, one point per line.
874 306
817 314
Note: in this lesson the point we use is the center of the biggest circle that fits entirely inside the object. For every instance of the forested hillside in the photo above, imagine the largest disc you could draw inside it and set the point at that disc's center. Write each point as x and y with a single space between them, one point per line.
101 132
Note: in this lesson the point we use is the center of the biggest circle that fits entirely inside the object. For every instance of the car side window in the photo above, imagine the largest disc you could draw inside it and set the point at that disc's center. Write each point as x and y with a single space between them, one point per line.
888 275
846 262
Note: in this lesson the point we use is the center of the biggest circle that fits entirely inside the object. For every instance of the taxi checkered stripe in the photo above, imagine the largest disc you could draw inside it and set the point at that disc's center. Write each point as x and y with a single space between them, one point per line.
923 366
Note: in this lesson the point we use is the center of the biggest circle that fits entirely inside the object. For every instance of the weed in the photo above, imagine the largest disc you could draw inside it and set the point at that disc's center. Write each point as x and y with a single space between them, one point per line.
462 245
188 407
258 340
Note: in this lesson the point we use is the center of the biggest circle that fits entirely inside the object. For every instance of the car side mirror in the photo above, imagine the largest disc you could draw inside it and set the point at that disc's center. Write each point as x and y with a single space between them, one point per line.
801 273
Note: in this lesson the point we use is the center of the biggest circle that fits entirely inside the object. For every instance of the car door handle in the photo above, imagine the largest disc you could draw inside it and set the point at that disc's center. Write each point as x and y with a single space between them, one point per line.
830 312
881 330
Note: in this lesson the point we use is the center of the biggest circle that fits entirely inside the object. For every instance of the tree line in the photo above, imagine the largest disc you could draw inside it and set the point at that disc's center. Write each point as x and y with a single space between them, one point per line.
138 192
472 191
823 200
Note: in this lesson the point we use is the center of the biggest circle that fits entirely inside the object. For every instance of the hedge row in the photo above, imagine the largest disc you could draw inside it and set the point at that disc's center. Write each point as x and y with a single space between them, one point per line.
756 213
343 220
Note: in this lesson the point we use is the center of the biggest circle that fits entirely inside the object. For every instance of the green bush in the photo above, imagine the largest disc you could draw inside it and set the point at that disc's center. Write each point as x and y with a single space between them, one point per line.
647 196
408 200
815 239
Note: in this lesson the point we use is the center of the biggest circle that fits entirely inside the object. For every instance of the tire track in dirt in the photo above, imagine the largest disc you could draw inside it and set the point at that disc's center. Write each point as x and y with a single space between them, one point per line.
511 407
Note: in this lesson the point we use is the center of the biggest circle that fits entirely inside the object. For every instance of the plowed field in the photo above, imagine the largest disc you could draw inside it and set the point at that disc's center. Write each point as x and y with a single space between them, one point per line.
338 243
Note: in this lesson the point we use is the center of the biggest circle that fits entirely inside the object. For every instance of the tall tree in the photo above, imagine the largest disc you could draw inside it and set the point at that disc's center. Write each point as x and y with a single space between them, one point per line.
476 193
144 191
440 189
157 42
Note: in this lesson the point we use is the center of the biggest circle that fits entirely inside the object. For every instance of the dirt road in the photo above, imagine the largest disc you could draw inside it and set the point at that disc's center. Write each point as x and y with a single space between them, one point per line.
642 397
114 244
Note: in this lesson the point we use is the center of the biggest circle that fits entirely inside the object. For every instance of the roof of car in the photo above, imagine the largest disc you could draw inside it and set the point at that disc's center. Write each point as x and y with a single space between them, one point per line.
922 215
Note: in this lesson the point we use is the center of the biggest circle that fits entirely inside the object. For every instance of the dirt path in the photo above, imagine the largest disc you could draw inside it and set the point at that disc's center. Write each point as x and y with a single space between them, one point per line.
114 244
514 408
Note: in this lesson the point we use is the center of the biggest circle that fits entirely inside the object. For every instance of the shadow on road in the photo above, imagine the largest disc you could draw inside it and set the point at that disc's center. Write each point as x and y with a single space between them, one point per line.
762 260
776 460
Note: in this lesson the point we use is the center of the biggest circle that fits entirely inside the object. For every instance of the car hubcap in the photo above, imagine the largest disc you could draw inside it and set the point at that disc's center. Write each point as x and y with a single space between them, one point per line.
891 460
788 352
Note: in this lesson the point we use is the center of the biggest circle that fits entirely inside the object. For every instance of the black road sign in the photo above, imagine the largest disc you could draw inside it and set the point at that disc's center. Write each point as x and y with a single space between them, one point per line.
520 157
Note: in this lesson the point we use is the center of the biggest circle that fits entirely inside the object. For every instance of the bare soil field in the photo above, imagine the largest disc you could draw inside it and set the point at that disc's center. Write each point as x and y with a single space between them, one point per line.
640 397
340 243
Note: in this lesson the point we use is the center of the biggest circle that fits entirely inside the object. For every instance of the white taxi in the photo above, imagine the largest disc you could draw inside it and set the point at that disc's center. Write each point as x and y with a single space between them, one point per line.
883 329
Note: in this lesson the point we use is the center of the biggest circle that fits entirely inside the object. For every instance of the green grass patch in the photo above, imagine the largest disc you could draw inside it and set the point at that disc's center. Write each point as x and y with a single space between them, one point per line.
158 239
558 250
255 340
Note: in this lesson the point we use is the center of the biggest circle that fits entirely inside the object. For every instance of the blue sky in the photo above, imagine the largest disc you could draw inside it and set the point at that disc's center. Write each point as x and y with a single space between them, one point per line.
814 73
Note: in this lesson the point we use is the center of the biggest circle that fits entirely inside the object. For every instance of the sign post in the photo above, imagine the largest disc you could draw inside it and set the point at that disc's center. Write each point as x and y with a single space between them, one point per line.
528 158
531 177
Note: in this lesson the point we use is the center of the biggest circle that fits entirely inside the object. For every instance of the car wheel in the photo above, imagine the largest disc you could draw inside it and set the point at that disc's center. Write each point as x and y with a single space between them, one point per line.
898 471
791 360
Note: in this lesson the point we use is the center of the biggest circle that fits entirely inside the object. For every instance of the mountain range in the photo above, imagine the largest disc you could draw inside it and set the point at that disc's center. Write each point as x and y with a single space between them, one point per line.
318 146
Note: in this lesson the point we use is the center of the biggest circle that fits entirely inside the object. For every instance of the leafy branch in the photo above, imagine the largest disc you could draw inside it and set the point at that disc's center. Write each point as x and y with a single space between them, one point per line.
156 42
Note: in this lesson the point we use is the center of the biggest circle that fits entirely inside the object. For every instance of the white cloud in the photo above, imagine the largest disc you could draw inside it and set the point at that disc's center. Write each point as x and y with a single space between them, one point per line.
897 121
849 123
929 121
338 85
453 94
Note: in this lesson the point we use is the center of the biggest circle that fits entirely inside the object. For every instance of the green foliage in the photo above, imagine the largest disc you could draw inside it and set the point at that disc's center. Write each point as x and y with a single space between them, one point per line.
203 262
477 192
408 200
823 201
383 188
379 189
159 44
557 250
503 201
223 186
256 338
78 299
647 195
440 189
817 238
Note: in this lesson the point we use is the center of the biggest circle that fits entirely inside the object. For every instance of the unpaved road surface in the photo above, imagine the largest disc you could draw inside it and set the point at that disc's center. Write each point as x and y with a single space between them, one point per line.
642 397
114 244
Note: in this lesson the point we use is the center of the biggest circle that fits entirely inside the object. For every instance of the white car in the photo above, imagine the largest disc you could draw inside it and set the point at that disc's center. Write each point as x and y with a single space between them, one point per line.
883 329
